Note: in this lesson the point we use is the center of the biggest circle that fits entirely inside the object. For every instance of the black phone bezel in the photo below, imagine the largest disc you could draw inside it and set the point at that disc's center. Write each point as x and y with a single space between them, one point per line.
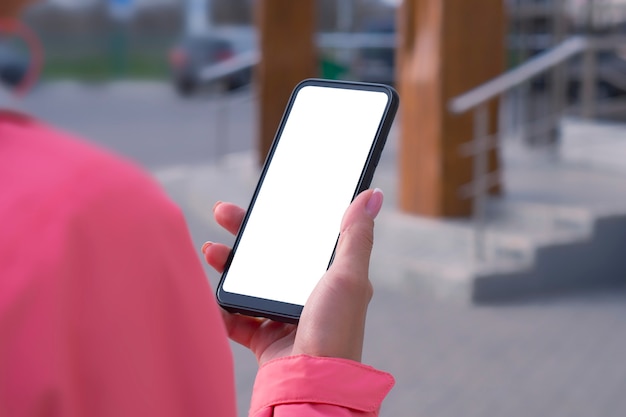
281 311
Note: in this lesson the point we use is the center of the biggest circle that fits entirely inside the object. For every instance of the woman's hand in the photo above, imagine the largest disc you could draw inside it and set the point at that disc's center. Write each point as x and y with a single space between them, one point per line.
333 320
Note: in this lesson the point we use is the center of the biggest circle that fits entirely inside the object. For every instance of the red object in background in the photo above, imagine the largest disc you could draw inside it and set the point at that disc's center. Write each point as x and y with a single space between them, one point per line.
178 57
16 28
224 54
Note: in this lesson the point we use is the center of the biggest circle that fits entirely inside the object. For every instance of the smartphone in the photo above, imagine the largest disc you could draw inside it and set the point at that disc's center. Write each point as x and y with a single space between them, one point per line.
324 154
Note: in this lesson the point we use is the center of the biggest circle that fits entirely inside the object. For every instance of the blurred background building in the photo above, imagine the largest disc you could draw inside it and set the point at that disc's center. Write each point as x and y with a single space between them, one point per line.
102 39
98 40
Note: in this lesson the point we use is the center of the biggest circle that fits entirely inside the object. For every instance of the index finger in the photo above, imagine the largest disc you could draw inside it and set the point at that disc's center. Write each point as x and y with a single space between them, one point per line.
229 216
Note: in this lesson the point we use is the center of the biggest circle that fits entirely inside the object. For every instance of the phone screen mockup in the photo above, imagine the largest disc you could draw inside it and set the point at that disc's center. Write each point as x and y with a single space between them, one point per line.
325 152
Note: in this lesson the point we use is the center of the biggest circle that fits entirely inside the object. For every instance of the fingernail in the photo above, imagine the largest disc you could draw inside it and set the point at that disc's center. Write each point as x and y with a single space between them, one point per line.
216 204
206 246
375 203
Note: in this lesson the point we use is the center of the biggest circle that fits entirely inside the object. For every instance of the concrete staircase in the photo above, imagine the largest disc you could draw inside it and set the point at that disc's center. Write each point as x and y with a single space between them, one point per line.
561 226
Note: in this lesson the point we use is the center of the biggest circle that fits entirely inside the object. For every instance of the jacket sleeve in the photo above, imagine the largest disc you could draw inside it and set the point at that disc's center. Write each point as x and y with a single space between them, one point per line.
308 386
109 312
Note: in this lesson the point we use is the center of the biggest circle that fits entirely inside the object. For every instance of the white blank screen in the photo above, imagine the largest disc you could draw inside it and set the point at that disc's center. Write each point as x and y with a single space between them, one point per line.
294 224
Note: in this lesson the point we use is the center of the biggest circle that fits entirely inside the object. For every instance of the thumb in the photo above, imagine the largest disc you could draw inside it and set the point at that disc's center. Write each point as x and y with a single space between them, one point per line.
333 318
356 236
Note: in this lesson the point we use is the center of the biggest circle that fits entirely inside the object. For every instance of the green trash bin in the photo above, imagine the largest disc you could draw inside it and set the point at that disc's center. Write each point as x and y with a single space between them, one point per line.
332 70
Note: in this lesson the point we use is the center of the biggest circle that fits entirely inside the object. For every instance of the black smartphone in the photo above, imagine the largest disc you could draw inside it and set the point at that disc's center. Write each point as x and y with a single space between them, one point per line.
324 154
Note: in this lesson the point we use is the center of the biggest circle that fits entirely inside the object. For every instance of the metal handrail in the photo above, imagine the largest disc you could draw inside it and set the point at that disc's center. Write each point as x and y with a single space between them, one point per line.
477 100
525 72
230 66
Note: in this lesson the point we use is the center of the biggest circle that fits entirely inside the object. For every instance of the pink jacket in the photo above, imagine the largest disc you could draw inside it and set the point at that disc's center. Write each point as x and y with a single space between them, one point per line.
104 306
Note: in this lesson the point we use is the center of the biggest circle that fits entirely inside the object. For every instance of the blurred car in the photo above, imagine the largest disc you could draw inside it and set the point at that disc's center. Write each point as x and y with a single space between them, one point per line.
376 64
194 53
13 64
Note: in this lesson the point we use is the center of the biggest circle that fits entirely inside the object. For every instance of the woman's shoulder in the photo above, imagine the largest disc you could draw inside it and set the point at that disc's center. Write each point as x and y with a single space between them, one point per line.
49 151
42 165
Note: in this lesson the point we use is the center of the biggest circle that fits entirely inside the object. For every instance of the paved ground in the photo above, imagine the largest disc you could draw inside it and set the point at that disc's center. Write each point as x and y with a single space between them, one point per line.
148 121
557 356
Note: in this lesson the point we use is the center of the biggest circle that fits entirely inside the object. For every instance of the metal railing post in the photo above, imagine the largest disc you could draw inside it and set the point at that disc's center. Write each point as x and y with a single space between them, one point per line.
221 124
558 76
480 171
589 85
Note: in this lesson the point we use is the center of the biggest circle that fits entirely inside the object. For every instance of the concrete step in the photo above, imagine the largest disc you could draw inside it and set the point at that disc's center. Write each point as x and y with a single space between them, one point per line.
510 236
530 248
549 232
514 229
597 261
567 261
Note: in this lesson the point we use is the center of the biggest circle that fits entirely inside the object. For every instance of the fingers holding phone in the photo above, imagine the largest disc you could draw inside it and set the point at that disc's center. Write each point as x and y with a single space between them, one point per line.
333 320
294 258
266 339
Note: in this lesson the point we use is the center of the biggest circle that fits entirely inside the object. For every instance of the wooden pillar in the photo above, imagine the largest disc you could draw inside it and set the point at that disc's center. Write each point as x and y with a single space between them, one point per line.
288 55
446 47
